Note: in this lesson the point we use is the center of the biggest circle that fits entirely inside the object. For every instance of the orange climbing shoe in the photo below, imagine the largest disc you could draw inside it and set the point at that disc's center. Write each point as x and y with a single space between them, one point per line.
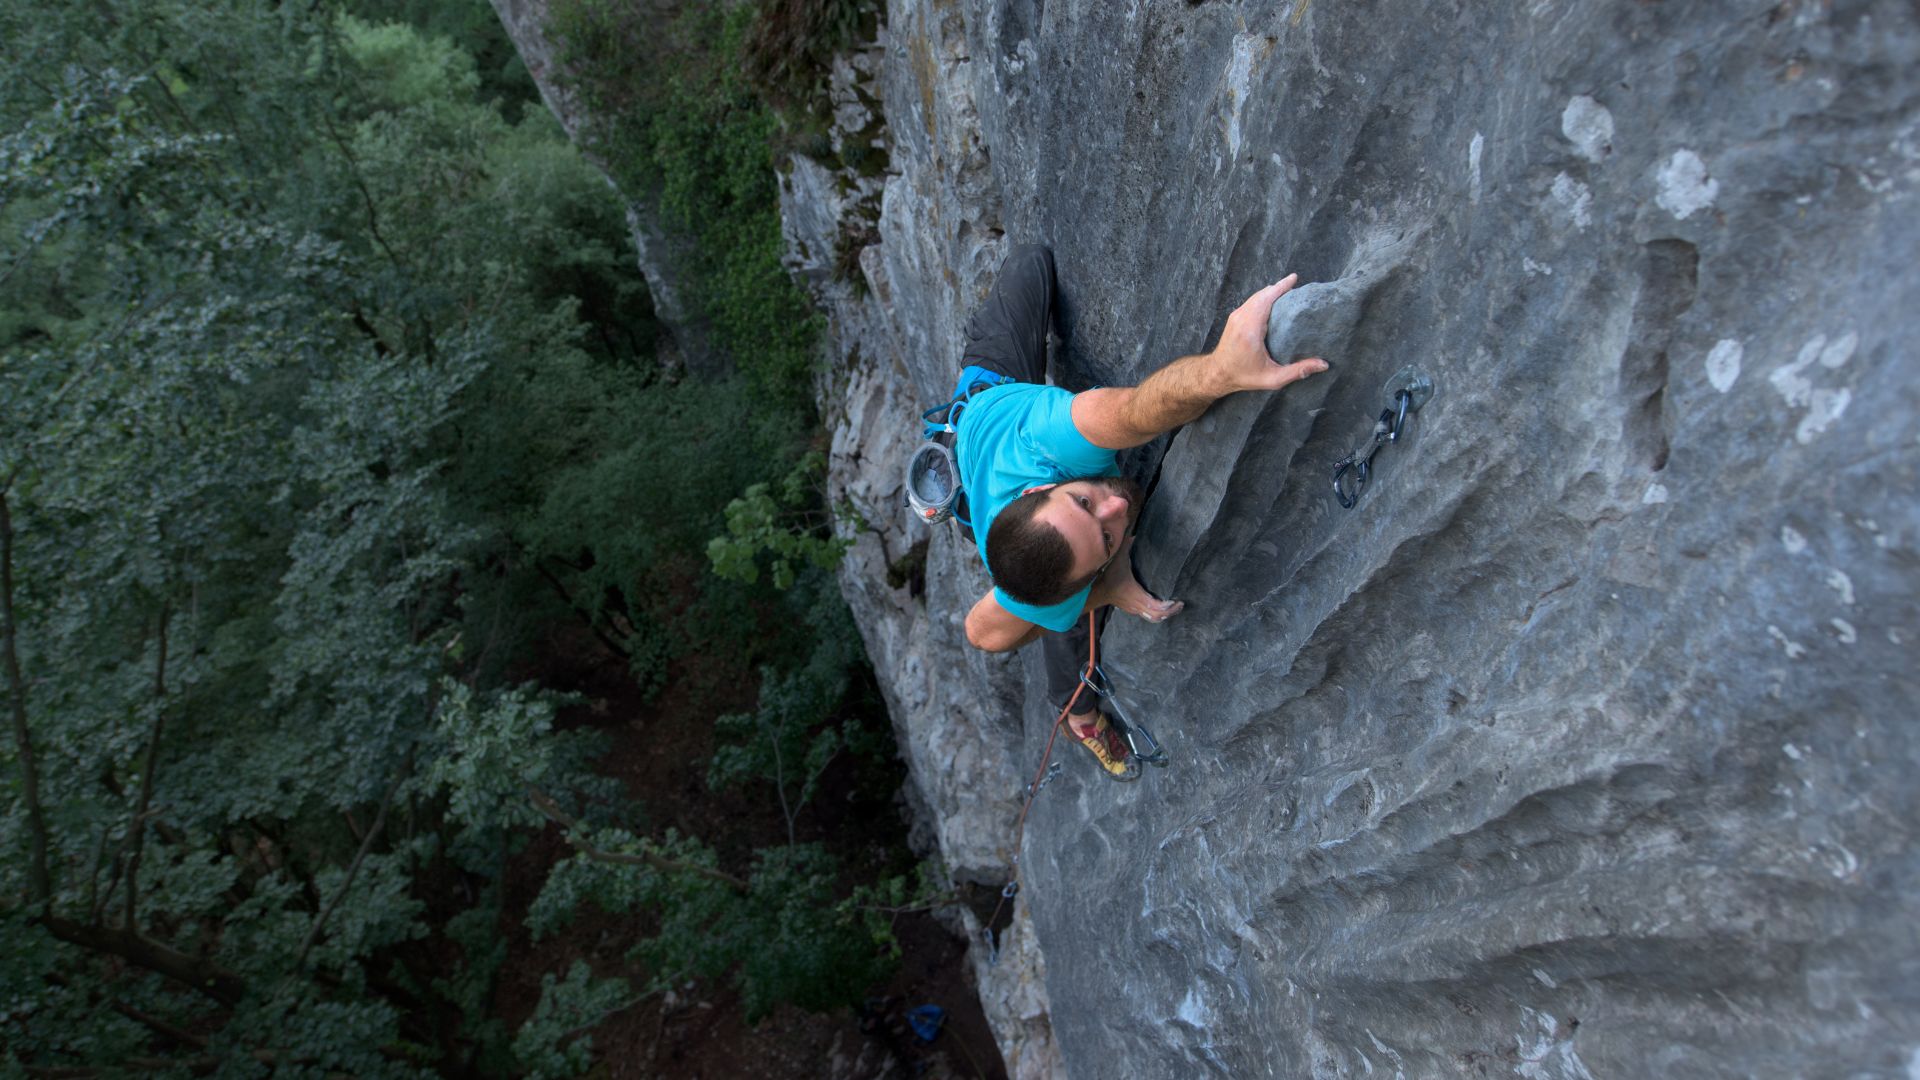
1110 749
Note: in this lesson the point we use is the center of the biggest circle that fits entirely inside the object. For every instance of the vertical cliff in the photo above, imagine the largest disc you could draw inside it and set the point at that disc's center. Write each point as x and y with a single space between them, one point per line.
1584 742
1583 745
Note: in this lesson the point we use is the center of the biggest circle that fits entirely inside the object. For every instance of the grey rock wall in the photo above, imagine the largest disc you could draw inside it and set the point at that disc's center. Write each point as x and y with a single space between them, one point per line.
956 711
1584 744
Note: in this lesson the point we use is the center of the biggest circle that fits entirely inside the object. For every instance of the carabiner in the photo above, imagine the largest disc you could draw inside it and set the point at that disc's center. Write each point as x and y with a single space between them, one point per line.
1154 755
1102 688
1361 469
1398 414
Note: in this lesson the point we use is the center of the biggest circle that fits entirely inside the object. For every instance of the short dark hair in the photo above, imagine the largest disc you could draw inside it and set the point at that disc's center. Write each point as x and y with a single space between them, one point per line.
1029 558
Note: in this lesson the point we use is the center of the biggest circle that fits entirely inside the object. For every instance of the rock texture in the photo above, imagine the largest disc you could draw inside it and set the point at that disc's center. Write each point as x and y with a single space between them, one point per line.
1584 745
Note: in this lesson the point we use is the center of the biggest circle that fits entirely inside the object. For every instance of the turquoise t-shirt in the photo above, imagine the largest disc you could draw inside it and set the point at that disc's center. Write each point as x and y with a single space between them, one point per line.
1011 438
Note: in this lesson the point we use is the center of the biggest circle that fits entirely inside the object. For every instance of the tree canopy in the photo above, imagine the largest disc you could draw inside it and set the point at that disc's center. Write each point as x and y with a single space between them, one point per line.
325 385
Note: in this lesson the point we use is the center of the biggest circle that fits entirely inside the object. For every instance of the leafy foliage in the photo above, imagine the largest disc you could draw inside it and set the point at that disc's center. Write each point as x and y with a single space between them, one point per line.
782 934
791 43
328 388
795 733
552 1043
788 525
689 132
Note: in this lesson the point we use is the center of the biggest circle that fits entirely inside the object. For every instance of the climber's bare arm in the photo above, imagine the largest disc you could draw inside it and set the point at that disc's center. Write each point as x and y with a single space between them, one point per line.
995 629
1118 417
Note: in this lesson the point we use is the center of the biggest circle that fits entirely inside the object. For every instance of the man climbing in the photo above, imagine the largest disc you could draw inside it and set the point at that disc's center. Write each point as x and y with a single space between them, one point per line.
1052 516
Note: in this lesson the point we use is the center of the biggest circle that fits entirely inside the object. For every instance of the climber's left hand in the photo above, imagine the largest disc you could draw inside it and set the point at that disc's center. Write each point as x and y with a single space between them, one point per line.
1122 590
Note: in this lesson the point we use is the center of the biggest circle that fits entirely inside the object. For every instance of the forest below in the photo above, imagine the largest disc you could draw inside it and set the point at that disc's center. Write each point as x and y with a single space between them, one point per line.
354 509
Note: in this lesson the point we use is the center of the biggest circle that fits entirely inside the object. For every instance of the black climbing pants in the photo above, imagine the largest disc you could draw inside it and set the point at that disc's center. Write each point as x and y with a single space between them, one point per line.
1008 334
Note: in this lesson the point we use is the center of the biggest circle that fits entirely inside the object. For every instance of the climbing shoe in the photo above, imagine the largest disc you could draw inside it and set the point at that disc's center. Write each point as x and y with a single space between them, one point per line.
1110 749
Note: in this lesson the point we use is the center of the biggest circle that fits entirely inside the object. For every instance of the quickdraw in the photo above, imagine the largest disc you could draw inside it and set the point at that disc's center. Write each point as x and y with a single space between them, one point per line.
1407 391
1095 679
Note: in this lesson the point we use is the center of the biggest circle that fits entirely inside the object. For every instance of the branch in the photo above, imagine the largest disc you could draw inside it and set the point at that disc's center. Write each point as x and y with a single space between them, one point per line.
139 825
366 197
780 777
365 326
21 260
223 986
159 1026
353 870
646 858
93 875
561 588
37 875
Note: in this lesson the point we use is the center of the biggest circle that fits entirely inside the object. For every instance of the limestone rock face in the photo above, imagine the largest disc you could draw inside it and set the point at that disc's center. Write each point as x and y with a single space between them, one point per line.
661 253
1584 744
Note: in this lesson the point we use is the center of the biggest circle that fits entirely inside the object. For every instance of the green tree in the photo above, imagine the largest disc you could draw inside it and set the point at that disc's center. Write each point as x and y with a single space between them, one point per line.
682 126
325 386
248 298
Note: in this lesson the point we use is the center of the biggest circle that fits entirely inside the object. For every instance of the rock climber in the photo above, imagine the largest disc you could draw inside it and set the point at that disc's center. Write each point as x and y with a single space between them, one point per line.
1053 518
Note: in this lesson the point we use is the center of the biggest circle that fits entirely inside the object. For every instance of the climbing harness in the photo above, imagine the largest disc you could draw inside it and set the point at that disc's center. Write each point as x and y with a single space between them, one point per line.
934 491
1407 391
1094 679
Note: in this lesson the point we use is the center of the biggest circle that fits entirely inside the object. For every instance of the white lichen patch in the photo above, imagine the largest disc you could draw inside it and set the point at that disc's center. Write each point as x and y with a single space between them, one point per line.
1477 144
1545 1050
1792 751
1685 187
1723 364
1841 350
1535 269
1239 84
1839 582
1844 630
1575 198
1793 649
1840 862
1589 127
1790 378
1827 407
1656 494
1823 405
1792 540
1193 1011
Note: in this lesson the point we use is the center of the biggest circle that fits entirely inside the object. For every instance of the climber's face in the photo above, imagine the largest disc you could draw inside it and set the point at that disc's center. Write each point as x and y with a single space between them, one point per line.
1093 516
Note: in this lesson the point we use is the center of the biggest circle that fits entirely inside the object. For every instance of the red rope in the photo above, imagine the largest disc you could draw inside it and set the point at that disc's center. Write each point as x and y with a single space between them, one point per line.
1033 787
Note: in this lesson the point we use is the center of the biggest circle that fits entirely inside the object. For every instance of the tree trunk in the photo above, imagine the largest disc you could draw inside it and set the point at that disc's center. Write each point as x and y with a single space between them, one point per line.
37 876
138 827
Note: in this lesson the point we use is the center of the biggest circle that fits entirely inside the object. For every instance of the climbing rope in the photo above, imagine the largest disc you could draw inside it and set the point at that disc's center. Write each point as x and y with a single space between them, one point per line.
1041 777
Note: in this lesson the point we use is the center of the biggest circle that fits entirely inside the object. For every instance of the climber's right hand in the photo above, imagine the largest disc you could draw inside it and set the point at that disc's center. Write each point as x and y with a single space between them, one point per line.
1241 355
